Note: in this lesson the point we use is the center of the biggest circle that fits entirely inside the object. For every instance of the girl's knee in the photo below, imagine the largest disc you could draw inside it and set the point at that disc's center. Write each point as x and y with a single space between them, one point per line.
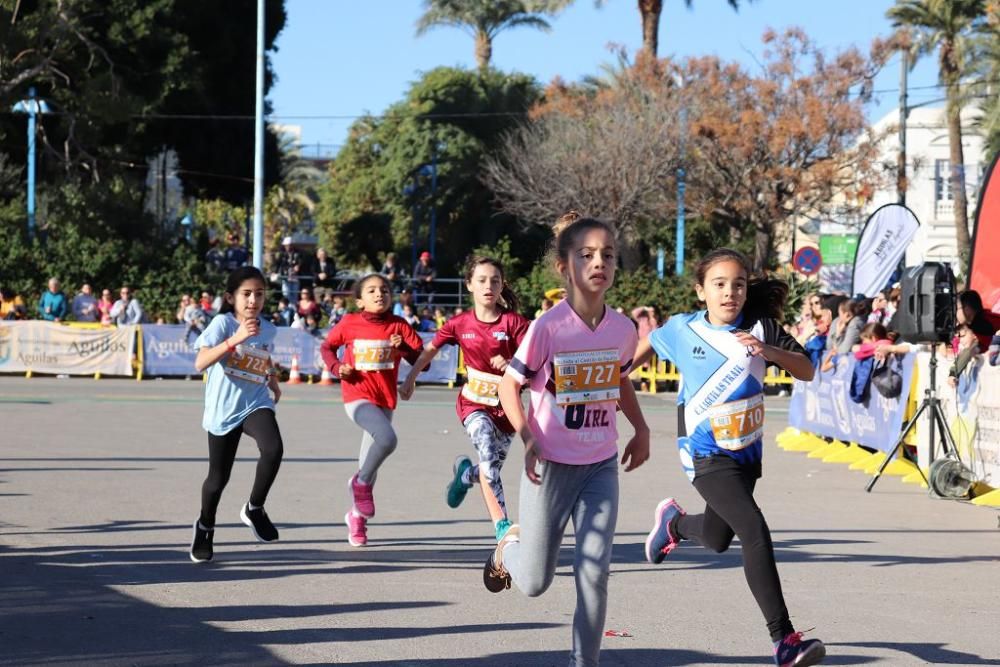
718 546
534 584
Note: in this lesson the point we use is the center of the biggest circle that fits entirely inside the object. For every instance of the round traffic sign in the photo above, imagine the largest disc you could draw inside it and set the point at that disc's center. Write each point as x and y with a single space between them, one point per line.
807 260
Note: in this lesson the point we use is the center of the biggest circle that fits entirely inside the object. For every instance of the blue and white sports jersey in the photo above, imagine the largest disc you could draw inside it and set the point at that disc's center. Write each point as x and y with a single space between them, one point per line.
721 403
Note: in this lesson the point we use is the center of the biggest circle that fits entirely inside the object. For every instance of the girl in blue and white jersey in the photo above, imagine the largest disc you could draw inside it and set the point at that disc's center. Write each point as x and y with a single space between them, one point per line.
722 353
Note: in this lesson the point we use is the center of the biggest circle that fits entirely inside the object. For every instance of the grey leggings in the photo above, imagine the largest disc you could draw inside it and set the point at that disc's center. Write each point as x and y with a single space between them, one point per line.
588 494
379 439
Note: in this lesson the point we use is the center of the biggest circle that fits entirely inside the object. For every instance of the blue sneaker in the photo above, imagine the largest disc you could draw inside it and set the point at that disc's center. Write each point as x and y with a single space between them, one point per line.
793 651
661 540
456 487
503 525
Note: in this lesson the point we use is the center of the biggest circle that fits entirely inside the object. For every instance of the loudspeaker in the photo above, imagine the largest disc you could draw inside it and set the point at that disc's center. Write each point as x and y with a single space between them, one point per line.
926 311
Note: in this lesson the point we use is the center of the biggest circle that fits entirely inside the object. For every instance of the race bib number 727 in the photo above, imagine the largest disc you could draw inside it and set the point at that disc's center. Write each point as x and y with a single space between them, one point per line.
590 376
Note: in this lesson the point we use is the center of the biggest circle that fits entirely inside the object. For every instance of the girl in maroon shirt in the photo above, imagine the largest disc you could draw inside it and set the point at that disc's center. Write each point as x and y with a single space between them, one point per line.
488 336
374 341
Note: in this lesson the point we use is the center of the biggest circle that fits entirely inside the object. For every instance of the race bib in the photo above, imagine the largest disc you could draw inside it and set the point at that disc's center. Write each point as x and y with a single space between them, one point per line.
248 363
737 424
373 355
482 388
587 377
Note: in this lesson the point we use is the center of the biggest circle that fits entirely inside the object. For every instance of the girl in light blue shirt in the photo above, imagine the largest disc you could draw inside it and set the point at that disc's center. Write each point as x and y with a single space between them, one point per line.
235 351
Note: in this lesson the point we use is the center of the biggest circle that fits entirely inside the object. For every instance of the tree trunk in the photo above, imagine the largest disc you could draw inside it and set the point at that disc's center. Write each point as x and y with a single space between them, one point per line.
628 250
484 50
650 11
957 158
762 248
950 74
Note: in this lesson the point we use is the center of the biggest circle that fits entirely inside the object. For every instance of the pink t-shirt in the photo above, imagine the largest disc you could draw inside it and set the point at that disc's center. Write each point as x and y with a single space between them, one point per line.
574 375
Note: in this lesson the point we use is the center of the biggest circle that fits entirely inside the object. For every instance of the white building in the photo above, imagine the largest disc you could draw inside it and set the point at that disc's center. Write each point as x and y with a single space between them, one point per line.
928 192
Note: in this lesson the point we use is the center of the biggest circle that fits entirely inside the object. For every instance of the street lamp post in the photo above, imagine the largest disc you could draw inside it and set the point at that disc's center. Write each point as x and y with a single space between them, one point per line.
32 107
679 268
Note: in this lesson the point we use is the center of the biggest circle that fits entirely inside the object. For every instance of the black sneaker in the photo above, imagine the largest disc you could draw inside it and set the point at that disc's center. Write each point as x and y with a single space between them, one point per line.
260 525
496 578
201 544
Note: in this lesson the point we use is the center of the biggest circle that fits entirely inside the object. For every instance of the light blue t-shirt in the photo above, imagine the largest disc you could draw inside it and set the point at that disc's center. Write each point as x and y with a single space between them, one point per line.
230 400
721 401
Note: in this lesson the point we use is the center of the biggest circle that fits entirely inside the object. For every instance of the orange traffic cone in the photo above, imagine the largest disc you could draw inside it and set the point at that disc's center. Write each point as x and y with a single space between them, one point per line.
293 375
325 378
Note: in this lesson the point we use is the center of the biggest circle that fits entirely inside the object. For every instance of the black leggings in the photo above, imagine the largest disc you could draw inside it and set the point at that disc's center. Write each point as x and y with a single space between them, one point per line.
727 488
262 427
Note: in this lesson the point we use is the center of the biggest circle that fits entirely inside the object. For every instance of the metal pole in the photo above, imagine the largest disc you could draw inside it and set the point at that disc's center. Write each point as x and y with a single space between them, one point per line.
660 261
258 157
32 108
434 180
903 112
679 268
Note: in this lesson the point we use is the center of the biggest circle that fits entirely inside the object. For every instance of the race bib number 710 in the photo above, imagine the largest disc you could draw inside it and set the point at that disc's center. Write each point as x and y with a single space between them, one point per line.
737 424
587 377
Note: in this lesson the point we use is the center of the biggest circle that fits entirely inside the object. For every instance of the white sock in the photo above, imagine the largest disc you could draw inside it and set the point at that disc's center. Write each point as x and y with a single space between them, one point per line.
467 477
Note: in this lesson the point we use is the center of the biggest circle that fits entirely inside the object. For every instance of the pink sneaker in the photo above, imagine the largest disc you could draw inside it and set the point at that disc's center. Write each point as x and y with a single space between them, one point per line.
357 529
361 494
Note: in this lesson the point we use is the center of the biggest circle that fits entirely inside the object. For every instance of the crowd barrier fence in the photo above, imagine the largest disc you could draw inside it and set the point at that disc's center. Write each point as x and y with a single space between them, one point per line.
827 425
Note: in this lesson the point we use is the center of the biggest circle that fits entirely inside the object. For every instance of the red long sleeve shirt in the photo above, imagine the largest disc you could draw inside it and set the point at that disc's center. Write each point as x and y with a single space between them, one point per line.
365 337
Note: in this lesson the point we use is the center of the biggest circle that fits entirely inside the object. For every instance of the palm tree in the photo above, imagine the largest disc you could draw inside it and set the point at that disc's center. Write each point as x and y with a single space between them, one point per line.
650 11
484 19
949 27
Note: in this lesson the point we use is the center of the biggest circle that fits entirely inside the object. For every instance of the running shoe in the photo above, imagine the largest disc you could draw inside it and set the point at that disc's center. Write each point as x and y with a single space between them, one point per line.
793 651
260 524
503 525
357 529
456 487
201 544
363 497
662 540
496 578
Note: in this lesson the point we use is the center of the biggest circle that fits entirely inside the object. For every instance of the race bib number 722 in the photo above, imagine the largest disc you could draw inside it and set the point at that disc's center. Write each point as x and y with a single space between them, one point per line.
587 377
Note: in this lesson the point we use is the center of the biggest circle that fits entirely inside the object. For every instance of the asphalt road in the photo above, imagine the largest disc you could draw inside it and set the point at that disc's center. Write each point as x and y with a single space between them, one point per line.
99 484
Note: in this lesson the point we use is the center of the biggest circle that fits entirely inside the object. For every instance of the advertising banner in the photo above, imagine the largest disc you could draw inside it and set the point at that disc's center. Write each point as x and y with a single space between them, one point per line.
49 347
971 408
882 244
168 350
823 406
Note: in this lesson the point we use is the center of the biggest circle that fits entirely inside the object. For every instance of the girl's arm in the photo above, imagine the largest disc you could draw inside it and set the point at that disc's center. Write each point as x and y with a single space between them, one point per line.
796 363
637 450
406 390
210 355
643 353
510 400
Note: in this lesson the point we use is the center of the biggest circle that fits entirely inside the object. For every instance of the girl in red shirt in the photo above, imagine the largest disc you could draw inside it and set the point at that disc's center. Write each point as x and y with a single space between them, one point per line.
488 336
374 341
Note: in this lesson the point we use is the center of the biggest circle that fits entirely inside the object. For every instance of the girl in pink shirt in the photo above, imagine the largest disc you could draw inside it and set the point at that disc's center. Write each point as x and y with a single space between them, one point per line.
575 359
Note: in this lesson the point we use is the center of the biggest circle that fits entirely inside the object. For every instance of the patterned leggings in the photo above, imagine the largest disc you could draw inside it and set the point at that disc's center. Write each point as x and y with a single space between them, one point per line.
492 444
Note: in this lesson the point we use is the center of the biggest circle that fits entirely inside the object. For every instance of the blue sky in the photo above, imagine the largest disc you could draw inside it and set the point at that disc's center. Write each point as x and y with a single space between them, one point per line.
337 59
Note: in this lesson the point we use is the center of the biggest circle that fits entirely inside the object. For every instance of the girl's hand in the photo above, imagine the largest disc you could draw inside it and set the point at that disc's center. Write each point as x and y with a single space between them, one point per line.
272 384
499 363
345 371
395 340
636 451
754 345
248 329
531 460
406 389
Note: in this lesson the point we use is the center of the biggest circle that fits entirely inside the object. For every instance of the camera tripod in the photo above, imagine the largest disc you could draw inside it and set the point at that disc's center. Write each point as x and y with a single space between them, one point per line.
935 419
